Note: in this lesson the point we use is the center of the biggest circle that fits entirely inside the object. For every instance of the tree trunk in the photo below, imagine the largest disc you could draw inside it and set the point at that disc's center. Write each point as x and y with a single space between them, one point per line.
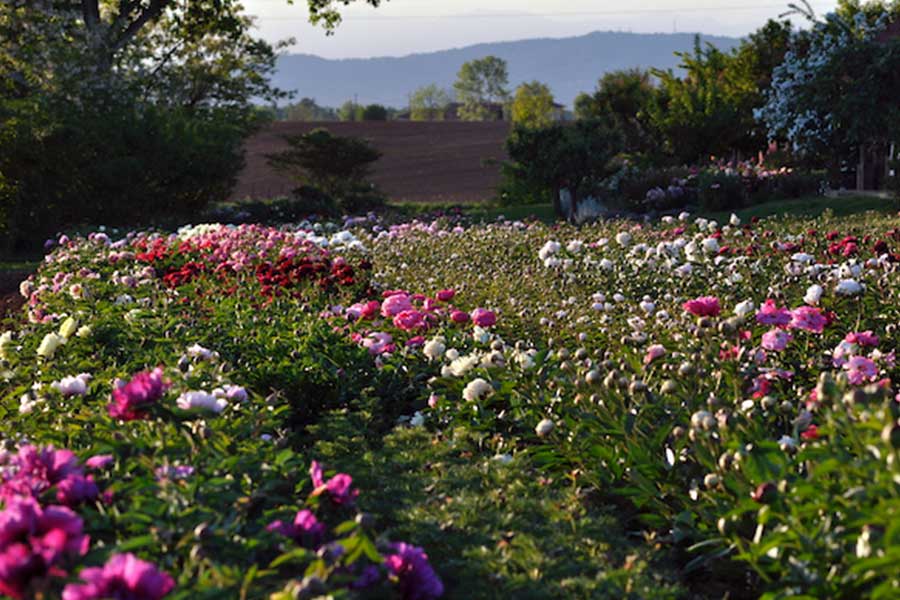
861 169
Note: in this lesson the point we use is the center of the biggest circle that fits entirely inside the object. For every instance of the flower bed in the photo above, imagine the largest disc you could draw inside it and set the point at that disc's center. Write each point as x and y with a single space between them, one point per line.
726 391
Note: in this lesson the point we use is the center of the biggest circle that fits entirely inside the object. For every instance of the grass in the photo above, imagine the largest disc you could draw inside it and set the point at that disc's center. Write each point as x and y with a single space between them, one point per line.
808 206
812 206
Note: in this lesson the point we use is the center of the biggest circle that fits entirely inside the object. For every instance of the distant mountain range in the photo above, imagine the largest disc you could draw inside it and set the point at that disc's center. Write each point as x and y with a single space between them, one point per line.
568 65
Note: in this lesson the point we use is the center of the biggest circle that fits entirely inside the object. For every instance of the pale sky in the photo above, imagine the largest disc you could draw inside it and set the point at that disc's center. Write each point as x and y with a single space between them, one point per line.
400 27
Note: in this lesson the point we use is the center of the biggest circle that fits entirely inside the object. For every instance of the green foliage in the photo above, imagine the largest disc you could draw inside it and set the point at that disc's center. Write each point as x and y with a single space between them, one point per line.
337 166
429 103
121 166
576 157
142 131
700 115
480 86
532 105
625 97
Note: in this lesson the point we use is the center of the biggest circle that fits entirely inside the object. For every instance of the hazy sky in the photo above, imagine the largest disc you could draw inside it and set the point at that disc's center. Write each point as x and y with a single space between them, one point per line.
401 27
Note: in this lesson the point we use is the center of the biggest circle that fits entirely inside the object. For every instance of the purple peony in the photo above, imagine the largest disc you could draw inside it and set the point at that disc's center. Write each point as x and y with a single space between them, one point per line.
417 580
123 577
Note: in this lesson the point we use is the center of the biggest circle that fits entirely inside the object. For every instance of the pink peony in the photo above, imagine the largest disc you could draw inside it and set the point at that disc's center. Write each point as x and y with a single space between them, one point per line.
458 316
409 320
861 370
130 401
99 461
483 317
704 306
445 295
35 470
653 352
862 338
305 529
338 487
417 580
395 304
33 539
776 340
770 314
808 318
76 489
125 577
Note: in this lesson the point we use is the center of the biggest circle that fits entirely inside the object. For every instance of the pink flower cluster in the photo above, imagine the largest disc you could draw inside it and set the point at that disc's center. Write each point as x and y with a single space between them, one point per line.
409 313
123 576
35 541
33 470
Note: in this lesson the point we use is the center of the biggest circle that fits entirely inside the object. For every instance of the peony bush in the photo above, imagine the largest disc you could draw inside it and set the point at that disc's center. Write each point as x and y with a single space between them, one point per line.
681 408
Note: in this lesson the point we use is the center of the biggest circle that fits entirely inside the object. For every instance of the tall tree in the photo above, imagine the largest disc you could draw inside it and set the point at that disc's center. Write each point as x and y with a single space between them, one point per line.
480 86
533 105
429 103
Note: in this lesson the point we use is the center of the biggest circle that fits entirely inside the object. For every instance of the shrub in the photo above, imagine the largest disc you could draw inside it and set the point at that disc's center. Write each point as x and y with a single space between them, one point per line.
375 112
125 165
720 191
654 188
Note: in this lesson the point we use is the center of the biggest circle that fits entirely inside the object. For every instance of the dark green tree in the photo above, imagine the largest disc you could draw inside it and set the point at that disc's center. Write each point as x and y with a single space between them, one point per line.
624 97
333 164
576 157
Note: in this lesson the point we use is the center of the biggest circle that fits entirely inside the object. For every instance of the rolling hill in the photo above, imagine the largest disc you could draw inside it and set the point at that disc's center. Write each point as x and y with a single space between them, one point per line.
568 65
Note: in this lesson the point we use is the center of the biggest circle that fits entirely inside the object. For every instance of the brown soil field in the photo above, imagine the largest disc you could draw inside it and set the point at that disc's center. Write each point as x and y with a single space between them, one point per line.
437 161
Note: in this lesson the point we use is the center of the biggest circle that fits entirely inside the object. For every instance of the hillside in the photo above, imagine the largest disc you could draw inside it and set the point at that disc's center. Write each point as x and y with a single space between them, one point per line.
440 161
567 65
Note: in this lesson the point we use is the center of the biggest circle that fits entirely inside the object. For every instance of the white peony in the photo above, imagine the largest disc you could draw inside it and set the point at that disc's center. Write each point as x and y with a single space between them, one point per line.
813 294
477 389
201 400
848 287
49 344
434 348
742 309
544 427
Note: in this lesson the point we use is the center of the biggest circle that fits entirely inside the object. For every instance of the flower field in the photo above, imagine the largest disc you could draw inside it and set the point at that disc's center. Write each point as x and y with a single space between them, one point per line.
677 409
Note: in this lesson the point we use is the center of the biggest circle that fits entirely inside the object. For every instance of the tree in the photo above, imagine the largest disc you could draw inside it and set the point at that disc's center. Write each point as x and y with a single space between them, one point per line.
576 157
703 113
479 84
835 94
375 112
429 103
350 111
330 163
624 97
533 105
308 110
